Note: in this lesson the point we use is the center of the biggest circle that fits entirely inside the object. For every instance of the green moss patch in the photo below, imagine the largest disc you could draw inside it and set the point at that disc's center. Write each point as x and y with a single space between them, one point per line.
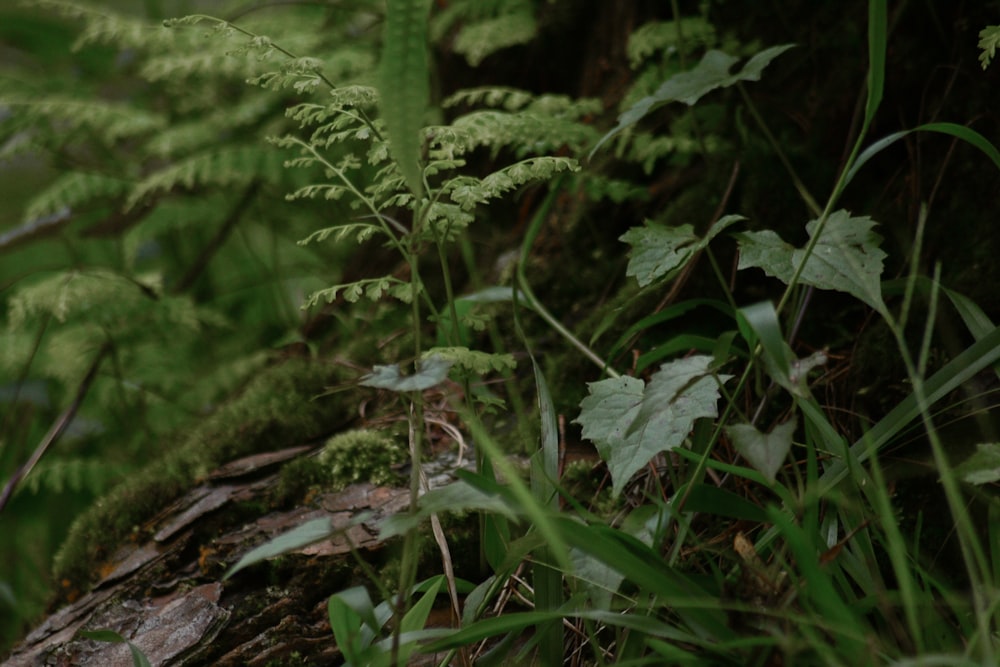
276 409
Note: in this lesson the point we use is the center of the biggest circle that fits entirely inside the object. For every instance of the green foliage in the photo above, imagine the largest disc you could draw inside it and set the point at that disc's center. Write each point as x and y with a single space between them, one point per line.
485 28
662 251
176 203
688 87
631 421
404 84
276 407
844 256
989 40
364 455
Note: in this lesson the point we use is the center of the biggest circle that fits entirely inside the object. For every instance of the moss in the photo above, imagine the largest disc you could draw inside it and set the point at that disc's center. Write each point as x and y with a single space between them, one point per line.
297 478
276 409
364 455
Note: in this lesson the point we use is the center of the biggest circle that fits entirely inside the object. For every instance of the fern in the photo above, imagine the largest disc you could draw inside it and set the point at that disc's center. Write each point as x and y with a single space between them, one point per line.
468 192
989 40
93 475
73 189
372 289
657 36
64 115
484 38
478 363
106 27
205 129
509 99
362 231
98 293
225 167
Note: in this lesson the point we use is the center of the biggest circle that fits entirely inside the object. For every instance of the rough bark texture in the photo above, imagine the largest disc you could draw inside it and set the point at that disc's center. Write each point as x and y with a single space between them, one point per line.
167 596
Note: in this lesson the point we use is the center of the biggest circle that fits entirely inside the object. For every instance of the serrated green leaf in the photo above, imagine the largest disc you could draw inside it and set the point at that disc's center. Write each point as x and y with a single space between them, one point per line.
689 87
659 251
631 423
846 258
983 467
404 84
766 452
430 372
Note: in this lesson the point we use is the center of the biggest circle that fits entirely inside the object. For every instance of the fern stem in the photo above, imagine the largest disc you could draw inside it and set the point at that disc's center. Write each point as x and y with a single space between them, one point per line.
57 428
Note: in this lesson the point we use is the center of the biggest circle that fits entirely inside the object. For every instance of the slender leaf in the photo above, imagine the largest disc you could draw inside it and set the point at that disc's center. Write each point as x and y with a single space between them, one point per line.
304 535
404 84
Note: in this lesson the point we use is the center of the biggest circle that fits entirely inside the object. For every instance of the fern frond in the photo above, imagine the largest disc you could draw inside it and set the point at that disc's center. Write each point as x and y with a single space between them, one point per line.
372 289
103 26
524 132
205 130
110 122
448 220
73 189
479 363
647 149
495 97
658 36
533 169
98 294
224 167
989 40
362 231
468 192
478 40
327 191
302 74
81 474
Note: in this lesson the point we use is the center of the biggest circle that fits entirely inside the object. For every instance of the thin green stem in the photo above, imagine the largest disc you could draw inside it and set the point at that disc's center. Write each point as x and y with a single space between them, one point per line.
522 283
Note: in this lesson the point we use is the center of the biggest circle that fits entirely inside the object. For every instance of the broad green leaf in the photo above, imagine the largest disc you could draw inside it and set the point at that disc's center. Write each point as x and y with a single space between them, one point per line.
846 257
304 535
764 451
430 372
689 87
346 623
631 423
404 84
983 467
658 251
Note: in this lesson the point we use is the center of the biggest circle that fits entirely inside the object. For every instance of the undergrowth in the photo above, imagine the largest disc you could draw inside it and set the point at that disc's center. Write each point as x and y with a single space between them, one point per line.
734 516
